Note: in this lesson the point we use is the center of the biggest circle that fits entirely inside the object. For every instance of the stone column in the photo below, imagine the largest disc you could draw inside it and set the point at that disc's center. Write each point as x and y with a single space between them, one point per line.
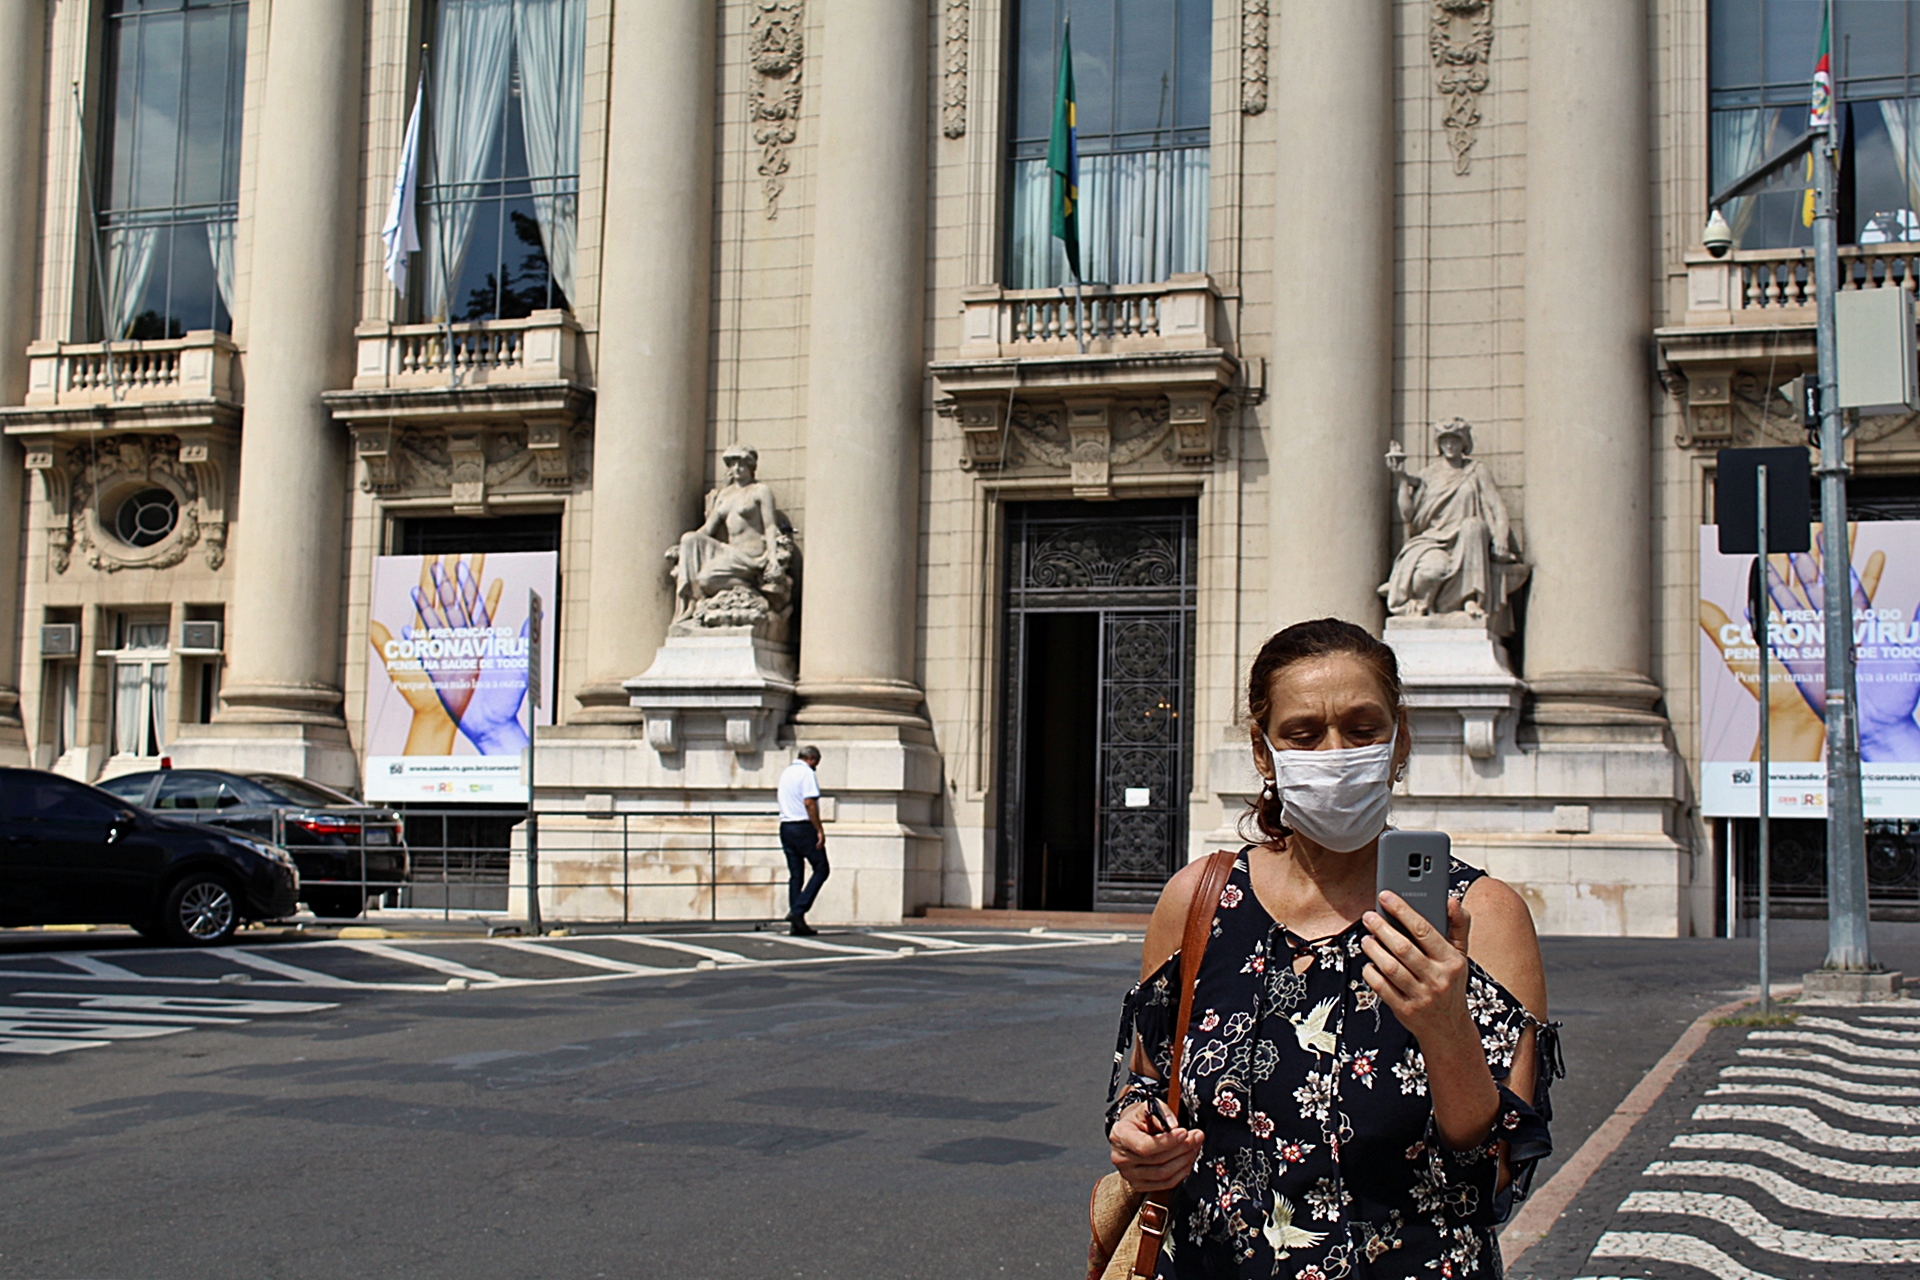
23 34
1588 314
866 368
1333 314
285 656
651 413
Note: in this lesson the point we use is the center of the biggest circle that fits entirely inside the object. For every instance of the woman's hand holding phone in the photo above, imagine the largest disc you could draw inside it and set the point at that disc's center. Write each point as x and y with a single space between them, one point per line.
1150 1149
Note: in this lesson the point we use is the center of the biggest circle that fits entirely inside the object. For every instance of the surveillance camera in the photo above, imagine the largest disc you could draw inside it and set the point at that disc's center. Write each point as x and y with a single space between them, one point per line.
1718 237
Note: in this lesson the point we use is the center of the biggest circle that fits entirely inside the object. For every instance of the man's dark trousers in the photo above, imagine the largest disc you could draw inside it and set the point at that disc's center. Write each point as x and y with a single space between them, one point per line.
802 846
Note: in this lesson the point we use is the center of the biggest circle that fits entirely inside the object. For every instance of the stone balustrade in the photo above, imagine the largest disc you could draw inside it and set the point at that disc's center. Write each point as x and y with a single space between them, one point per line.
1775 286
539 348
1172 315
198 366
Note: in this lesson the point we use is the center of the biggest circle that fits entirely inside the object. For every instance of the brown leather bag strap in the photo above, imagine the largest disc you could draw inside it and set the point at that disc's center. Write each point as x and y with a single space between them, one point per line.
1193 946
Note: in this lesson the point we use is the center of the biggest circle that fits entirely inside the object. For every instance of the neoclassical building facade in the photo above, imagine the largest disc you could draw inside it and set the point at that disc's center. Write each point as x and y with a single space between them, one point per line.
1039 533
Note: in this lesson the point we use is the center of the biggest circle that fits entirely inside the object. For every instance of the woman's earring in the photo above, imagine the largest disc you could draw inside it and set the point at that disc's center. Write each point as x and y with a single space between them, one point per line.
1267 791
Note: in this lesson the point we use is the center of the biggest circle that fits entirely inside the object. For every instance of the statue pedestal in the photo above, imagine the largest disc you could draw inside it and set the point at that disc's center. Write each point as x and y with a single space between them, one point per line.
1458 686
719 685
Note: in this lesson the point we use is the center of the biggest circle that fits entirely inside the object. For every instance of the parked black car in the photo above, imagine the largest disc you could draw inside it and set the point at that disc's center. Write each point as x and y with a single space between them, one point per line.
74 854
345 849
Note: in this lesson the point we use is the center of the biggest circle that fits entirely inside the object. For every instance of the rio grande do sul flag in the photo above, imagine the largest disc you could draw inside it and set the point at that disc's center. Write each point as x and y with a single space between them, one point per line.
1821 116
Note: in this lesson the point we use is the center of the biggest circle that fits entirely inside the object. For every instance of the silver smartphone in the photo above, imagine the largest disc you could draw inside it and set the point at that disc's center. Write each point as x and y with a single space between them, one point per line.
1414 865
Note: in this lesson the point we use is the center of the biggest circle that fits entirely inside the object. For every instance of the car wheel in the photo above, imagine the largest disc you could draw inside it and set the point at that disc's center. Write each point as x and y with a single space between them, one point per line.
201 911
337 904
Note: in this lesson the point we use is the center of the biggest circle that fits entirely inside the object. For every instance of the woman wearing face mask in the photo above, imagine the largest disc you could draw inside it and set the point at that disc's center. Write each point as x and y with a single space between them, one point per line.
1357 1098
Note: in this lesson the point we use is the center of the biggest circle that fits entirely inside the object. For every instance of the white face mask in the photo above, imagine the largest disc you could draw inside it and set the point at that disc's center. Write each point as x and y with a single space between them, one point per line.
1337 799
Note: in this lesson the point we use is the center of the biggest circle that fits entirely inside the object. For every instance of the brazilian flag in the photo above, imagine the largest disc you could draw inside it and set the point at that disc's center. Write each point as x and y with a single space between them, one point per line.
1063 158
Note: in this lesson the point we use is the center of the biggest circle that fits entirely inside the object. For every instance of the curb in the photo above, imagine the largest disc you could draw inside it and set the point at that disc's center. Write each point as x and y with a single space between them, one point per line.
1543 1208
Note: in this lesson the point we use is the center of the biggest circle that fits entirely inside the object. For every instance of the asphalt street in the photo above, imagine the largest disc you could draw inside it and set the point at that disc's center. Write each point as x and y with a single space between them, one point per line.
739 1106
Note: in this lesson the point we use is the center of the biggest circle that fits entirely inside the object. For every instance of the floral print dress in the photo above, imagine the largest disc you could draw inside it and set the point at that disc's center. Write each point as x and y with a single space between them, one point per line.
1322 1161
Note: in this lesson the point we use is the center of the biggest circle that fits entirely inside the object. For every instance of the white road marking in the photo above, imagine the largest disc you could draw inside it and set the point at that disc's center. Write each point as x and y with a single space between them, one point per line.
1803 1058
402 955
586 958
281 969
1664 1246
41 1047
932 942
1809 1126
96 1015
729 958
181 1004
94 966
1737 1215
1907 1116
838 948
1872 1089
1787 1192
35 1027
1839 1170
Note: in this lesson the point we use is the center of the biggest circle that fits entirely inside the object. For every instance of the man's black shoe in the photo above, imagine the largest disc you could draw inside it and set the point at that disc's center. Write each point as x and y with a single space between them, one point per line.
801 929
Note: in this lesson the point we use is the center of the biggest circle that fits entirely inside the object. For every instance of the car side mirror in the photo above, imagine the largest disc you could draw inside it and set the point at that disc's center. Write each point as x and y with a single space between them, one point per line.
121 821
228 800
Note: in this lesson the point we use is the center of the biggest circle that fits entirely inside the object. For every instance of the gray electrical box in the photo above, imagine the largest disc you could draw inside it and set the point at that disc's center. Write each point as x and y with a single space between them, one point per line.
1874 340
202 637
59 639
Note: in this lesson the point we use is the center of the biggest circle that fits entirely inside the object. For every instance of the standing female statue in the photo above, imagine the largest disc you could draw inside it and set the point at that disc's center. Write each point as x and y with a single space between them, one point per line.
1457 533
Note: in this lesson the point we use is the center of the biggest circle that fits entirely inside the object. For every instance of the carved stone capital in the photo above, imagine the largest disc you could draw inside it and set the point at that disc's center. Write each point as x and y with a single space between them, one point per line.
953 70
1253 56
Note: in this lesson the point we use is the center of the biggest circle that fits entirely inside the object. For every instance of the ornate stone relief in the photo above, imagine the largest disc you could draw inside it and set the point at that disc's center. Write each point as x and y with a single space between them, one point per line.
1253 56
953 89
1089 437
468 464
78 483
776 49
1460 39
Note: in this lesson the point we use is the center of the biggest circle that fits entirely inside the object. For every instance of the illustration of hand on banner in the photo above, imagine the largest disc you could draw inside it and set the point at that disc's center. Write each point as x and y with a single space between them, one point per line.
484 703
1798 734
1888 693
432 731
491 720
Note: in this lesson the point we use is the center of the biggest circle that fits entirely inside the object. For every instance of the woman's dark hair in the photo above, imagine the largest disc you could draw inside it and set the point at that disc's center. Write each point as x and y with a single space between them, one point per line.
1316 639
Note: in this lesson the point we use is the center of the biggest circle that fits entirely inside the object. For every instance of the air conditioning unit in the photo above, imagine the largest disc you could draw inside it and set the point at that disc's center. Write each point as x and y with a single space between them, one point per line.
204 636
59 639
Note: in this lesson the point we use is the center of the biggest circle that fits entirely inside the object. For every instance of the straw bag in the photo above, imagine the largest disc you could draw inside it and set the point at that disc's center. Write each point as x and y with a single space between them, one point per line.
1128 1225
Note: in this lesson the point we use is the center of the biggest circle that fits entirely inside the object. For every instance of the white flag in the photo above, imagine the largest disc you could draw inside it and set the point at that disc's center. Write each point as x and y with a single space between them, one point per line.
402 232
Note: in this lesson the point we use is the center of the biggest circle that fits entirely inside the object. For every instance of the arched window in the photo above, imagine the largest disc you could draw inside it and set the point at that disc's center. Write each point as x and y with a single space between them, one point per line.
1143 78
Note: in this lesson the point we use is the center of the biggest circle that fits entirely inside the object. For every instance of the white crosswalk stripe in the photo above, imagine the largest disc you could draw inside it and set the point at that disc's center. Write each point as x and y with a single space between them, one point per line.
70 1020
1773 1189
141 998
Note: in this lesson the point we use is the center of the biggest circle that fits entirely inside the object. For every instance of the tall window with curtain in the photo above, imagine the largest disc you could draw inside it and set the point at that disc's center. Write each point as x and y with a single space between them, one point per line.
501 165
1760 73
170 180
1142 71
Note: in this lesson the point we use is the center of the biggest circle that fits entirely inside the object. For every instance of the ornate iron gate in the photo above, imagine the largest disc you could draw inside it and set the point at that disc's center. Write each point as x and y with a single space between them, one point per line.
1132 565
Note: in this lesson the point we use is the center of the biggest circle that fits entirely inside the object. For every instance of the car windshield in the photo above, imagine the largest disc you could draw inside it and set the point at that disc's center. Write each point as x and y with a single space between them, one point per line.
131 786
298 790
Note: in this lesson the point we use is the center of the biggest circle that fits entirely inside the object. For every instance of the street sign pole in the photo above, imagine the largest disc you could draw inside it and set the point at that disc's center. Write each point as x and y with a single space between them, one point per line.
535 695
1762 619
1846 823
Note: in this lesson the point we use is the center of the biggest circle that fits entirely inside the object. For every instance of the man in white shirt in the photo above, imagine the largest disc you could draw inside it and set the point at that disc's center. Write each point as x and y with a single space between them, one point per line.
802 837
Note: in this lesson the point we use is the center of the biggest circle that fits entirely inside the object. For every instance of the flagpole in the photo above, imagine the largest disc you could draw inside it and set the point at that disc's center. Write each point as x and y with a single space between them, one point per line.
1079 315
